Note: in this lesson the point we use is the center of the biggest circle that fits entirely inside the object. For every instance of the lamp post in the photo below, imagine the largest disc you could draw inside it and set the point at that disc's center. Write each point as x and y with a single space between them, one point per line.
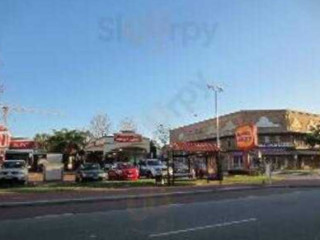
217 89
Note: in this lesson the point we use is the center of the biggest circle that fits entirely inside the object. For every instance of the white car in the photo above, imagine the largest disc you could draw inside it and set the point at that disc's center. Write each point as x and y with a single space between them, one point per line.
151 168
14 171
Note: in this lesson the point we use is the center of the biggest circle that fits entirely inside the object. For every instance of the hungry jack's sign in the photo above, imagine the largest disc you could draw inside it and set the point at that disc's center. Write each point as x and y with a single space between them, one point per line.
247 137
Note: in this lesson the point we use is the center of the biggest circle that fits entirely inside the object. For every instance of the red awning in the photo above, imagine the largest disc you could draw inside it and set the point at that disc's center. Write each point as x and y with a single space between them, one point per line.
194 147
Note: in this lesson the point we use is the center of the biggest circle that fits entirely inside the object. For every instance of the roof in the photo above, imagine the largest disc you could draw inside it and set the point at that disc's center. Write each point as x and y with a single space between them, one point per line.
247 111
194 147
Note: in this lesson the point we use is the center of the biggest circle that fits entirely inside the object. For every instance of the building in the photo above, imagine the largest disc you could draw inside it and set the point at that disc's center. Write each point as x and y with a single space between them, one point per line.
281 137
126 146
25 149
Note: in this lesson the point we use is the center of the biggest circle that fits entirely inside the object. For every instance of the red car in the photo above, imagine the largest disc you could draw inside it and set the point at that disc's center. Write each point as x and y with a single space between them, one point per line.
123 171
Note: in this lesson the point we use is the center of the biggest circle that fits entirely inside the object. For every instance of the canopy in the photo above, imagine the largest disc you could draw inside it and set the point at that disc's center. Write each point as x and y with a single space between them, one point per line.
194 147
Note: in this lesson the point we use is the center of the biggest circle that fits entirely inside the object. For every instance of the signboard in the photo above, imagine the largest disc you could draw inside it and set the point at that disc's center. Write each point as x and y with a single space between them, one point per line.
4 137
246 137
277 145
22 144
127 138
194 147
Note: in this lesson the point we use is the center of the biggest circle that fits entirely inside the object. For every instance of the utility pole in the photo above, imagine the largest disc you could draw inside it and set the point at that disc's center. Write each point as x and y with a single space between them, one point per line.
217 89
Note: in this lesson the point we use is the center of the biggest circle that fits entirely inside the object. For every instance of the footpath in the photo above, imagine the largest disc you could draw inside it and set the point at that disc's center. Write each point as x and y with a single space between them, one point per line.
11 199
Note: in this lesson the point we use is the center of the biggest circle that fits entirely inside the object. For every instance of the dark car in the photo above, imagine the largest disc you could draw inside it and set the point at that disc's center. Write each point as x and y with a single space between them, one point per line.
90 171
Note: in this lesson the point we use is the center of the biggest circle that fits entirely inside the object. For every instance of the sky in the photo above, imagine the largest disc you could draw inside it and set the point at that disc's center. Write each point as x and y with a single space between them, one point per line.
150 60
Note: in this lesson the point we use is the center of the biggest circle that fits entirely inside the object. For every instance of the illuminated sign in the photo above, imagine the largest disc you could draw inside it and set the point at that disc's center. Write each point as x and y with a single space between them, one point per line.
22 144
246 137
127 138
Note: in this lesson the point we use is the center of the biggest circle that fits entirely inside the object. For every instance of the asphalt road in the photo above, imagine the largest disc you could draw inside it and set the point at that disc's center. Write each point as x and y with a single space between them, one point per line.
265 214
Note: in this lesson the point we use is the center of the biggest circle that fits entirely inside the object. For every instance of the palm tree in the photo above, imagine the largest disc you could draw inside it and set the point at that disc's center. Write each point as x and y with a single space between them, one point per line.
41 140
67 141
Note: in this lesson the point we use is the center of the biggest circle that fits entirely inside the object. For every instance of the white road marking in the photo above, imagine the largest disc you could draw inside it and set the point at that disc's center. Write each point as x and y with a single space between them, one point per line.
53 216
225 224
176 205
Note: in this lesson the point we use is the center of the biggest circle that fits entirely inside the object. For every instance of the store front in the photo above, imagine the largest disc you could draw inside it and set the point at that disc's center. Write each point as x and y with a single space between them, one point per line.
125 146
201 159
280 138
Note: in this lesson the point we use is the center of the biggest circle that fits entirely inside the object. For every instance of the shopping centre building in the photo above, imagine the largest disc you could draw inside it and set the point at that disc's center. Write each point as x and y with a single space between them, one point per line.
281 138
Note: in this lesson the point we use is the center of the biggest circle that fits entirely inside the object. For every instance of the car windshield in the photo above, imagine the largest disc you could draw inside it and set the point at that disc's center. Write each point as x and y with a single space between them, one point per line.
125 166
90 167
14 164
154 163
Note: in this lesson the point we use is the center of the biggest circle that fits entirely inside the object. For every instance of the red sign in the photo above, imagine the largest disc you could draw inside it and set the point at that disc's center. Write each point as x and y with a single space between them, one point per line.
247 137
5 137
127 138
22 144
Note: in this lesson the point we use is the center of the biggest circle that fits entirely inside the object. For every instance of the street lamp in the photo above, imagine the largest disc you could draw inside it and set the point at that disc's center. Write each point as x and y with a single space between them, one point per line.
217 89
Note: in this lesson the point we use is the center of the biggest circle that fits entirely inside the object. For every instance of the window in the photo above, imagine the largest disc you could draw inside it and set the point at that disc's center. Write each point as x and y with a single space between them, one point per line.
266 139
237 162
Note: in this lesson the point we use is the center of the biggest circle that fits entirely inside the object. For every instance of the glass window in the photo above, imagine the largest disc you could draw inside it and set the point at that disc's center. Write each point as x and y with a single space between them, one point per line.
266 139
237 162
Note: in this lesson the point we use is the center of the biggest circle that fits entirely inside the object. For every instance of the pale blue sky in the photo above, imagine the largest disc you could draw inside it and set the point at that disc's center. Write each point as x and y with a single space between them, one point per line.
138 58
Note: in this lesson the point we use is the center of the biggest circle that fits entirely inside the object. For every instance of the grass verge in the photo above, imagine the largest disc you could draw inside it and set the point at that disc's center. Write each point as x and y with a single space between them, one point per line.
105 185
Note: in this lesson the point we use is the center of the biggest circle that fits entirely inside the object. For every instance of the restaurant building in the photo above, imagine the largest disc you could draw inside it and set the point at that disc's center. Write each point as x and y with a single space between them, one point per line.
281 138
125 146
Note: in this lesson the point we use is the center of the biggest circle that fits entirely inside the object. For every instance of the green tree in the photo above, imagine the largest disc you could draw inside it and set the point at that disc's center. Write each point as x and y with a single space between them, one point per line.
67 141
313 138
42 140
63 141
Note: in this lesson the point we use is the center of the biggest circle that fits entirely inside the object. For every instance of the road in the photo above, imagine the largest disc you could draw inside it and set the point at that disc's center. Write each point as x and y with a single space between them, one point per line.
259 214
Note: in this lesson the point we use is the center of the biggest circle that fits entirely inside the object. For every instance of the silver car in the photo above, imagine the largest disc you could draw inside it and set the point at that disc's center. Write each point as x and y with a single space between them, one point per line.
14 171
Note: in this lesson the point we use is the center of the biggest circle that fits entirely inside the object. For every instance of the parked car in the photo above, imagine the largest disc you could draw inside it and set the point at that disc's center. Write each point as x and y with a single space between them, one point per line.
108 166
181 170
123 171
90 171
152 168
14 171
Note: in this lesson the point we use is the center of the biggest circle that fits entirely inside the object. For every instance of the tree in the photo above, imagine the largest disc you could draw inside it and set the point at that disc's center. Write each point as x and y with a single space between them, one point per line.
67 141
313 138
162 134
42 140
100 126
128 124
63 141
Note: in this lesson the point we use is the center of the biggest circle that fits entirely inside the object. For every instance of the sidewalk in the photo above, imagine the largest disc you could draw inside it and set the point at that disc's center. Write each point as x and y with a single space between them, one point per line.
83 196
